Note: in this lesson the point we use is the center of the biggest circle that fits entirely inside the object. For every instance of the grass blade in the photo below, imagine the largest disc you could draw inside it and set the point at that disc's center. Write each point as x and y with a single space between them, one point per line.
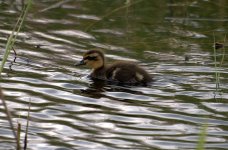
27 125
12 38
8 114
18 136
202 138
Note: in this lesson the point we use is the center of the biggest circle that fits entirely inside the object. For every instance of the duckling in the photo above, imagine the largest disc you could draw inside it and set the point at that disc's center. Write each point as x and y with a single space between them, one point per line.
121 71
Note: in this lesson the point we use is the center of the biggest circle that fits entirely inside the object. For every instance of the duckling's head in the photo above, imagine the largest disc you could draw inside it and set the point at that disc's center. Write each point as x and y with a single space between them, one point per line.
93 59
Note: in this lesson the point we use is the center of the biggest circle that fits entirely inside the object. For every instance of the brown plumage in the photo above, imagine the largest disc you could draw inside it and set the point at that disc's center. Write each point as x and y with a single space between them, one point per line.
121 71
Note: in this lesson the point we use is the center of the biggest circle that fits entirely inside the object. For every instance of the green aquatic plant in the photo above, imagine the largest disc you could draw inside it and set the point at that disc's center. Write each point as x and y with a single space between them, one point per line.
9 46
13 36
217 63
202 138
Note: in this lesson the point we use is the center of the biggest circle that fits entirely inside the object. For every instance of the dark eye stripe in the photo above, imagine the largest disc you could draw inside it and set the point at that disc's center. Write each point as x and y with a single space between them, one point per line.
90 58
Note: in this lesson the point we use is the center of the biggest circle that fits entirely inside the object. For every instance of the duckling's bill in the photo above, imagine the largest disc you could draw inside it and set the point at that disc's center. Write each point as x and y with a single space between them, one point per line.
80 63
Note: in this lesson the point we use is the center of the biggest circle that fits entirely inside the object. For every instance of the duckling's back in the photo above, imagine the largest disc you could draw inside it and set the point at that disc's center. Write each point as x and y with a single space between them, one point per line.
127 72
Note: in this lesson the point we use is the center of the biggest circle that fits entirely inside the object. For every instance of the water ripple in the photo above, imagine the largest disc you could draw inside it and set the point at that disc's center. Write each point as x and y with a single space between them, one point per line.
70 111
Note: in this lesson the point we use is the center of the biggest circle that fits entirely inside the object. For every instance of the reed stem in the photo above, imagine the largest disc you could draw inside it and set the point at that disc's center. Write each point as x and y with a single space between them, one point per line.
8 115
13 36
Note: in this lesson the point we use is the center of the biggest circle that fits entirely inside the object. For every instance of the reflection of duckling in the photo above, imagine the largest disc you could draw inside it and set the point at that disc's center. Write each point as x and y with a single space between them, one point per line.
121 71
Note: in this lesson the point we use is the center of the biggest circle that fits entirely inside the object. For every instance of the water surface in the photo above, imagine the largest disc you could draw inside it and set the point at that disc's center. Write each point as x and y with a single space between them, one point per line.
172 40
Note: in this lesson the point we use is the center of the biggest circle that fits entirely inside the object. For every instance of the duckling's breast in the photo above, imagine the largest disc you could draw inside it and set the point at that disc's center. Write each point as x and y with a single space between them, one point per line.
99 73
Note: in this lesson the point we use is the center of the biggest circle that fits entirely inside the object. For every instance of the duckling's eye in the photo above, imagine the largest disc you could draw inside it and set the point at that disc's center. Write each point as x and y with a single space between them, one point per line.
91 58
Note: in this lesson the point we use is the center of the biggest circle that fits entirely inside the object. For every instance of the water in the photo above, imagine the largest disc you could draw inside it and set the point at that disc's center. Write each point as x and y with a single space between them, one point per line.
172 40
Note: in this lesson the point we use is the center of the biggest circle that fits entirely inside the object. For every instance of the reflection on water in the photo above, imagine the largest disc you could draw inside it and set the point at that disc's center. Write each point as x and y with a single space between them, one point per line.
172 40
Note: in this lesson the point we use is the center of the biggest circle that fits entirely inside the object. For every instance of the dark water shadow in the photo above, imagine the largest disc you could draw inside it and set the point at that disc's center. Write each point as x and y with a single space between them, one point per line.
99 86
